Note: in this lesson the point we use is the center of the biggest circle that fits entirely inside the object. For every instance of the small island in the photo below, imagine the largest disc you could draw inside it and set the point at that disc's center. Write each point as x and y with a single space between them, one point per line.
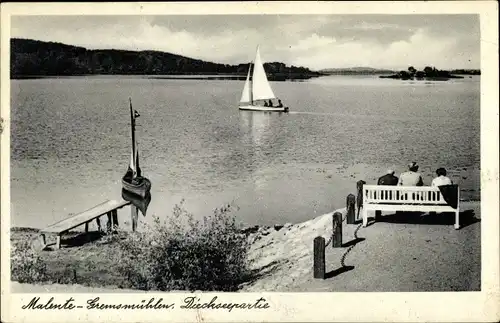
429 74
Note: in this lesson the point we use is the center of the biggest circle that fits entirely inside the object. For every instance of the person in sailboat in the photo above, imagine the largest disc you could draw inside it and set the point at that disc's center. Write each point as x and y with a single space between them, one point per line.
280 105
270 103
265 104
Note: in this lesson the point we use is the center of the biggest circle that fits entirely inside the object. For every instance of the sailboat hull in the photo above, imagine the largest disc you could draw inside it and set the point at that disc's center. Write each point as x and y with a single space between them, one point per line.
140 202
140 186
262 108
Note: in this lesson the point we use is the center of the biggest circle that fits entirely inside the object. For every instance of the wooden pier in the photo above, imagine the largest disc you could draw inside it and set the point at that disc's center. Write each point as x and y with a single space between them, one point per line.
109 207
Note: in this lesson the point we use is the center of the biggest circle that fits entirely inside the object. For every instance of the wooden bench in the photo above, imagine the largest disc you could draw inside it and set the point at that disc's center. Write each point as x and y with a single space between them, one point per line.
109 207
406 198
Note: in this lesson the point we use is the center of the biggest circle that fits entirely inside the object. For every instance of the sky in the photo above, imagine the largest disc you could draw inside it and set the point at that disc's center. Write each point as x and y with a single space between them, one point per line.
313 41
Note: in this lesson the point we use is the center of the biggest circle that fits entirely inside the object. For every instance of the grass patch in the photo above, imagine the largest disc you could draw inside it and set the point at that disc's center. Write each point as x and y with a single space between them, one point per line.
180 253
27 265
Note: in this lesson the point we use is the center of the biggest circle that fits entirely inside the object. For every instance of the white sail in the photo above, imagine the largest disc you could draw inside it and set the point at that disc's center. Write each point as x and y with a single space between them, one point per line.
245 95
261 89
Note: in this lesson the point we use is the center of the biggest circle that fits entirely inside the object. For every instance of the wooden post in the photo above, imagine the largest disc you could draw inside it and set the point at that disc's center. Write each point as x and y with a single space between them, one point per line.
351 209
98 224
109 225
337 230
114 214
43 241
319 257
58 242
134 214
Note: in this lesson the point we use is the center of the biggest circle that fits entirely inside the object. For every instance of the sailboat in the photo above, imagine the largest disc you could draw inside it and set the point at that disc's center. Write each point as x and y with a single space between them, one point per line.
133 181
257 89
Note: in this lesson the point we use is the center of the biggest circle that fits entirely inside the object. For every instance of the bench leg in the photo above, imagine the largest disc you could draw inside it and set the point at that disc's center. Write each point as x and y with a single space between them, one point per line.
457 219
365 217
58 242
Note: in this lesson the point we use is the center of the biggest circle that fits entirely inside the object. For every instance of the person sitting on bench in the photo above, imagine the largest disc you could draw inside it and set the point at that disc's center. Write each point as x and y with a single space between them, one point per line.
388 179
441 178
411 177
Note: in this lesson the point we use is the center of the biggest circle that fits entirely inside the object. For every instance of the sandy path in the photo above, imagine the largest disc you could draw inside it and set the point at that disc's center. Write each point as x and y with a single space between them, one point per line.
392 257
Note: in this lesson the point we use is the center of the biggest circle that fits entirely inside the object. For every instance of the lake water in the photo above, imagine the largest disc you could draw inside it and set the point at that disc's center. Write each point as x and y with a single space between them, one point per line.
70 143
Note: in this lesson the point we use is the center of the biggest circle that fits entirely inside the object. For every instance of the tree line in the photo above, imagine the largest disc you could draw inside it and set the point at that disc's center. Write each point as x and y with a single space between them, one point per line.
37 58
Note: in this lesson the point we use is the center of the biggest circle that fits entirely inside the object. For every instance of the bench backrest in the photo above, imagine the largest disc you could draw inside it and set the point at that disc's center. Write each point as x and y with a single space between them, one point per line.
430 195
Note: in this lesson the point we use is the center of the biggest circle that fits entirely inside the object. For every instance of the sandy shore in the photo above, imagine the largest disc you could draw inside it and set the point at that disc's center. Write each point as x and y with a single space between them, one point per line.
421 253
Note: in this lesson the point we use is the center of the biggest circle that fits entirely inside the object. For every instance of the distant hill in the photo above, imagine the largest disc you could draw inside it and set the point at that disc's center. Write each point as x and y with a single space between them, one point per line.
33 58
355 70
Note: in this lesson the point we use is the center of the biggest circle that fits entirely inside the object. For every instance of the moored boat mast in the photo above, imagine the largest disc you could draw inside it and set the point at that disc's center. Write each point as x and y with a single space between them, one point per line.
134 156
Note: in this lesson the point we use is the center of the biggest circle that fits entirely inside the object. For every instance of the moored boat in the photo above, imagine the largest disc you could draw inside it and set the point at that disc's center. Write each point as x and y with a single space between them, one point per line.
133 181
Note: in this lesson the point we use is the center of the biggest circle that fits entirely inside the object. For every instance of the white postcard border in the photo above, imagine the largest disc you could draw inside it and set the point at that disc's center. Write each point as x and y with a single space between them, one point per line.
405 307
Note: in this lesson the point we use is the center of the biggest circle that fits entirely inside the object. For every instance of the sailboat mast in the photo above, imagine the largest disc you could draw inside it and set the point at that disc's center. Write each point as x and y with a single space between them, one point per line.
250 84
132 123
251 80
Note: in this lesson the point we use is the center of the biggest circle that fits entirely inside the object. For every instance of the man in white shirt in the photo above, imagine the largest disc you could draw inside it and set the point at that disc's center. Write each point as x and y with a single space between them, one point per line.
441 178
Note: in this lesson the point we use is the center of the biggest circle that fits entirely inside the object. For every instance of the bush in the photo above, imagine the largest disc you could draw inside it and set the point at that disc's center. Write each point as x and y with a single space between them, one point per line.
185 254
27 266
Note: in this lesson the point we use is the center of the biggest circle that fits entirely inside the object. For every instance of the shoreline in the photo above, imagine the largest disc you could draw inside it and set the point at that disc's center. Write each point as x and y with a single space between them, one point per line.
208 76
282 254
235 77
248 229
331 182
